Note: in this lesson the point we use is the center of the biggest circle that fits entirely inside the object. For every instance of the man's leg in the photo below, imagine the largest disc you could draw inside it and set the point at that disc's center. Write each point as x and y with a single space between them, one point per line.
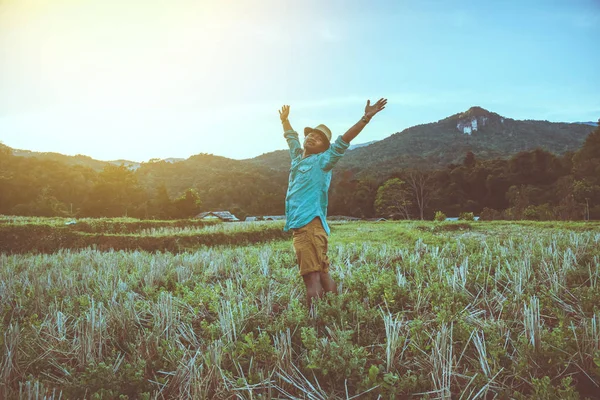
328 283
322 244
314 289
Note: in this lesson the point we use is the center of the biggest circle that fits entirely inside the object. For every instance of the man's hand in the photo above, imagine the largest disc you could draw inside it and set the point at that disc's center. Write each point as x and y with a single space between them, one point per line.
284 113
371 110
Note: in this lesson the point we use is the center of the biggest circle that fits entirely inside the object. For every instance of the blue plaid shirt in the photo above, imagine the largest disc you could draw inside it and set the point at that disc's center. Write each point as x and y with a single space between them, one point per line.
308 187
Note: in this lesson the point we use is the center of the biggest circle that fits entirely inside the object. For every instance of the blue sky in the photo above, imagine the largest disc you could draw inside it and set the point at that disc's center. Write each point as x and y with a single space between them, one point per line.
145 79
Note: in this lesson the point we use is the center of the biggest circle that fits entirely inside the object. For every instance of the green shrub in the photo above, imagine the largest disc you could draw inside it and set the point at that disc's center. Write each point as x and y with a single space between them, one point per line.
439 216
466 216
542 212
489 214
335 357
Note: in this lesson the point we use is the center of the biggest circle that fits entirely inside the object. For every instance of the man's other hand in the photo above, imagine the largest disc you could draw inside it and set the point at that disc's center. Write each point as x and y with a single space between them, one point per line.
284 113
371 110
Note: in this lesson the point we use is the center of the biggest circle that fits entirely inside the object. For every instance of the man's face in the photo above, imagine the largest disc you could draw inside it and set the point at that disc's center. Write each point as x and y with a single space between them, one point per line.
315 143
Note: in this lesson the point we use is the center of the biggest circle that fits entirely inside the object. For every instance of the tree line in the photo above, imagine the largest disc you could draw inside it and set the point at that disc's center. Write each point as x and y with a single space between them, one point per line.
535 185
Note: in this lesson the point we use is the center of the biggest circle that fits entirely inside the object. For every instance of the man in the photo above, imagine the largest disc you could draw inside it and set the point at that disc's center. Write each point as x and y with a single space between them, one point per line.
307 195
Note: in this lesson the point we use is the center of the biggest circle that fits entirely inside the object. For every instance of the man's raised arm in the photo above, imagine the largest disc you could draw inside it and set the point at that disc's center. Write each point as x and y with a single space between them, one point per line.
288 132
338 148
370 111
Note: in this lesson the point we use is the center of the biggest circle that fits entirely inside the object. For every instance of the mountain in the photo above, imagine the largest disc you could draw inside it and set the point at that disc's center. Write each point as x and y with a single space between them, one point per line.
78 159
173 160
590 123
132 165
219 180
86 161
437 144
356 146
486 134
37 183
280 159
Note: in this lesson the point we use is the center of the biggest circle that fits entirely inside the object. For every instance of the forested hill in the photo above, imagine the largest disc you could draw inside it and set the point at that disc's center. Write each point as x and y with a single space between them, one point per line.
79 159
221 180
472 161
437 144
486 134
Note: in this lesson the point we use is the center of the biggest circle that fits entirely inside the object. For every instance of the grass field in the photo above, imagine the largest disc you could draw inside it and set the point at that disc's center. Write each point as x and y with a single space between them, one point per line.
426 310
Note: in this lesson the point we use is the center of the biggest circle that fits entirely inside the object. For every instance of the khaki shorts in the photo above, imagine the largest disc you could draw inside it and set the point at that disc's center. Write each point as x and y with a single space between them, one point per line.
310 244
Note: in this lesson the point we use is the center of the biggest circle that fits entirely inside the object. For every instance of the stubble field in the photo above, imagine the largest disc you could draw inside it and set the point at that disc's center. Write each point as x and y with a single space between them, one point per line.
189 310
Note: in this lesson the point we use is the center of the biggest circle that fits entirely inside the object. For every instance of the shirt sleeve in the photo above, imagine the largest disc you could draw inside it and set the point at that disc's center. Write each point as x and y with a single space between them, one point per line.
332 155
293 143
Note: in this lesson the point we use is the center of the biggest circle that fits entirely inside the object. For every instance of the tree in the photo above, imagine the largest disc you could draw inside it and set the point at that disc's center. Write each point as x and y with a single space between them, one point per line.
115 194
161 205
422 187
350 196
586 162
585 192
188 204
568 209
586 170
496 184
364 198
6 176
393 199
343 190
518 198
45 205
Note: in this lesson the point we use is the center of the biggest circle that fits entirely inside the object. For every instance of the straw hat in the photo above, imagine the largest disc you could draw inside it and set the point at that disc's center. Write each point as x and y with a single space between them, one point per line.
321 129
